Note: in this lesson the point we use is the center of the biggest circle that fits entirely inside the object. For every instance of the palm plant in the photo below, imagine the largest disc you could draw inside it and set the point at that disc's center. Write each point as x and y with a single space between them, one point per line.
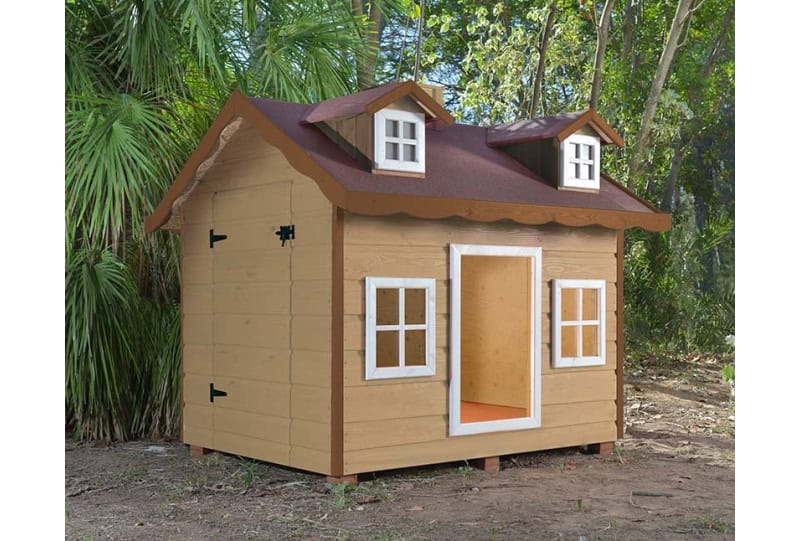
143 81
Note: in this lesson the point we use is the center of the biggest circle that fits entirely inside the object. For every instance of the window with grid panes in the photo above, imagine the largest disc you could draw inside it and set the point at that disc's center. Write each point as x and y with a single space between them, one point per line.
400 327
580 162
400 140
578 319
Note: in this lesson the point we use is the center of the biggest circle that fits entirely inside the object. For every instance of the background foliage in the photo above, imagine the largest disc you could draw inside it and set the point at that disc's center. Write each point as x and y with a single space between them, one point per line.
144 79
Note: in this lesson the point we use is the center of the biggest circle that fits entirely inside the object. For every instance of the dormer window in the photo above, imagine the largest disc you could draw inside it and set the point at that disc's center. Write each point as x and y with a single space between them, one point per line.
580 162
400 141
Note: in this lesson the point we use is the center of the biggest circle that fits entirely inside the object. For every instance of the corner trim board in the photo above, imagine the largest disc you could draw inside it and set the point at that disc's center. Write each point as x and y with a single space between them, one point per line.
620 334
337 343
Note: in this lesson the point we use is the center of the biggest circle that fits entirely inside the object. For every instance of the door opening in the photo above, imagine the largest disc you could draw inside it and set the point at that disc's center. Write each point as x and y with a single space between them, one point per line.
495 338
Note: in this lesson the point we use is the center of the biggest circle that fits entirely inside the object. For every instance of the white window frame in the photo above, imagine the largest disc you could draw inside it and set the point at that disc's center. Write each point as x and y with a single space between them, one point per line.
381 161
373 371
567 162
555 317
457 428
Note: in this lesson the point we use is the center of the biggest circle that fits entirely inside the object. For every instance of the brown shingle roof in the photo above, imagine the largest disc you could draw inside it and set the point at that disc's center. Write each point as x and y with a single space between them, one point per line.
459 166
464 177
375 99
551 127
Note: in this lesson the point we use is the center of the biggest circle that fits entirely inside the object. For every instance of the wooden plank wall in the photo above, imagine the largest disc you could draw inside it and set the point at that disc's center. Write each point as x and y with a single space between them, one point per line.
357 131
403 422
257 316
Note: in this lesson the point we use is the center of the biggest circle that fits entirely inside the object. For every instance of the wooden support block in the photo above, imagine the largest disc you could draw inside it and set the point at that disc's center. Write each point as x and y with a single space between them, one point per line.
490 464
196 451
351 479
603 449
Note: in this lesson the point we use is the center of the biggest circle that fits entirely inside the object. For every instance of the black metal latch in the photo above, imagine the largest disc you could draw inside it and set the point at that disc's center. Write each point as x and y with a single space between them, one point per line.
212 238
215 392
286 232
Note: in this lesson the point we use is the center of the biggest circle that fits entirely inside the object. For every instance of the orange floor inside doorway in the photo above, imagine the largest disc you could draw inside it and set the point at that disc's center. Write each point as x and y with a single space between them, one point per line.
474 412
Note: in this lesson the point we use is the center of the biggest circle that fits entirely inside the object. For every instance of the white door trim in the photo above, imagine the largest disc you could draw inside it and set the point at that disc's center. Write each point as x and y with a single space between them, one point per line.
457 428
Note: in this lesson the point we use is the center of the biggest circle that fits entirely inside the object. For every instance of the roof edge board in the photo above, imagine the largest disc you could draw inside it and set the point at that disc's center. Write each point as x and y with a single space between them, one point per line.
204 149
375 204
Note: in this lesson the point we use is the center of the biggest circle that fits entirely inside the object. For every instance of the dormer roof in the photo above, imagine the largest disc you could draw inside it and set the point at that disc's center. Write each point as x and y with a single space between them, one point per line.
557 127
374 99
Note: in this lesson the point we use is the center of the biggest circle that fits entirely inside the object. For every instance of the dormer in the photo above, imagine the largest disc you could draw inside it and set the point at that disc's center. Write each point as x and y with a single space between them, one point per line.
383 128
564 149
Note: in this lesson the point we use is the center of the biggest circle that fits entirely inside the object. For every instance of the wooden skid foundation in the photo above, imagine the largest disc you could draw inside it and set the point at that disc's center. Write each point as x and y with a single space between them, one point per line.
490 464
196 451
604 449
336 480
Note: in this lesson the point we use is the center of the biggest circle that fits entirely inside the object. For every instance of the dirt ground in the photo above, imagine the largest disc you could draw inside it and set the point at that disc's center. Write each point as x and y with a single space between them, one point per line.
672 477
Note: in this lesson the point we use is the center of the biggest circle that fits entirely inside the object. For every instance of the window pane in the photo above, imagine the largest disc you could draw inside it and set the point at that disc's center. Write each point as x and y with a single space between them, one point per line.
577 172
387 348
589 310
410 153
569 305
392 151
569 341
576 150
585 171
387 307
591 151
585 152
591 172
392 128
415 348
415 307
591 344
409 130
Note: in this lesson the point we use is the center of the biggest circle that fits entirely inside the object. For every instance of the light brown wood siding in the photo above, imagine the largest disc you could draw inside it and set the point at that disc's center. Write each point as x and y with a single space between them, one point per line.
355 136
257 316
394 423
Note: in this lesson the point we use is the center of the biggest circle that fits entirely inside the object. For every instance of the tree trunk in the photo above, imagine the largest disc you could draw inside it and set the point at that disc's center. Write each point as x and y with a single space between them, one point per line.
688 129
366 62
662 72
537 82
600 52
674 172
629 27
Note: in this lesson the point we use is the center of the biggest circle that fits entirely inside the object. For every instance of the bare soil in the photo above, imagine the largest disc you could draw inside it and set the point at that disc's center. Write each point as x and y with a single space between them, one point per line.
672 477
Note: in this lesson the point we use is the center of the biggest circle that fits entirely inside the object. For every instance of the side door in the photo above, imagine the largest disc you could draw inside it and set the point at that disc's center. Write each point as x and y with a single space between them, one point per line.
251 295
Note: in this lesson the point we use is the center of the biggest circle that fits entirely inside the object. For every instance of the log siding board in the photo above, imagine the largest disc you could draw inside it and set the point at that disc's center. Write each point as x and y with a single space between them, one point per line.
477 446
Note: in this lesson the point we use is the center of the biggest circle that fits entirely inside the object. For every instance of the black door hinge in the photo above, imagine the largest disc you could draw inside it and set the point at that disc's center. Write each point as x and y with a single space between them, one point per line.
286 232
215 392
212 238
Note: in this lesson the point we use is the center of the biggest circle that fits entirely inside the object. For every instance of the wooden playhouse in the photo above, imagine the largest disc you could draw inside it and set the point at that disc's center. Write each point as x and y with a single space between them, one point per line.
367 285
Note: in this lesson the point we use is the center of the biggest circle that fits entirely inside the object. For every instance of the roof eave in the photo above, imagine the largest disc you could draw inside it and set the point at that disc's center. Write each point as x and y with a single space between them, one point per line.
379 204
